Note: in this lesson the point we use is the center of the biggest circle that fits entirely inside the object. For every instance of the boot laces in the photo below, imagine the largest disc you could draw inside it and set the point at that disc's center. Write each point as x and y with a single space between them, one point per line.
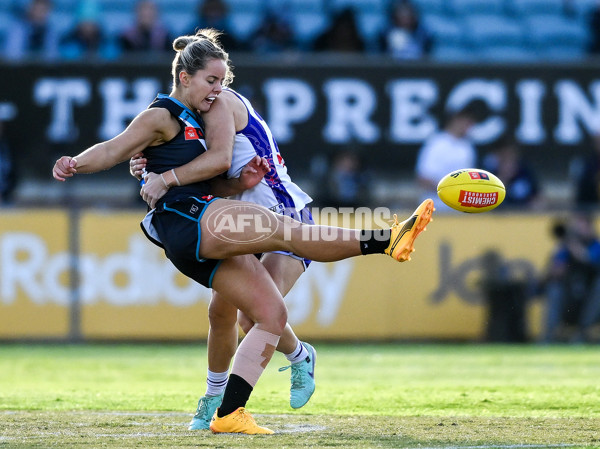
296 378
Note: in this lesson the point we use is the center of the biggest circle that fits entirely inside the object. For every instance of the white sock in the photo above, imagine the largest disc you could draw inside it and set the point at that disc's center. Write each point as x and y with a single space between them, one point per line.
216 383
299 354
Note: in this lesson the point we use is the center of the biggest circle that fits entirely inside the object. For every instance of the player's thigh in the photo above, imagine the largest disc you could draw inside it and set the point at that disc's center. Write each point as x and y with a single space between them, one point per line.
231 228
284 270
244 282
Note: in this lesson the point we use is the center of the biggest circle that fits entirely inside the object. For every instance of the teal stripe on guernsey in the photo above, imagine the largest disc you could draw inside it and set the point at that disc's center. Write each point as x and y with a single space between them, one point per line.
186 115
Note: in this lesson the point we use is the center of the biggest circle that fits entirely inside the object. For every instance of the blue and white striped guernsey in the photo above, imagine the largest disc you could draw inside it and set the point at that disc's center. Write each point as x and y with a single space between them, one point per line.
276 191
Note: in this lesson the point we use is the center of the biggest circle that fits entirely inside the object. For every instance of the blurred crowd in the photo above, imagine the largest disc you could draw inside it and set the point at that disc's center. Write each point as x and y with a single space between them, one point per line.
88 30
402 29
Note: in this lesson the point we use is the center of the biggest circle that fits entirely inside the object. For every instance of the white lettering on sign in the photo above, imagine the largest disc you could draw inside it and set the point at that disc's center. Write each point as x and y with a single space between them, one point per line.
142 276
574 108
351 104
62 94
347 107
290 101
330 282
118 110
139 276
411 120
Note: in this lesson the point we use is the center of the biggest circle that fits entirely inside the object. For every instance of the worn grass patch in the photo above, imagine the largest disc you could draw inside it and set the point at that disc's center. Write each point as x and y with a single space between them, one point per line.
368 396
162 430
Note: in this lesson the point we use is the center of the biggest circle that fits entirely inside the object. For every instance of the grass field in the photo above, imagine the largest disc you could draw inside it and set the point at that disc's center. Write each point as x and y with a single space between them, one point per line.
368 396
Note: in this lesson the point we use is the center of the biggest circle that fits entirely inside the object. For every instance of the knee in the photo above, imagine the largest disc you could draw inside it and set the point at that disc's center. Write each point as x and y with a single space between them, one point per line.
274 317
220 316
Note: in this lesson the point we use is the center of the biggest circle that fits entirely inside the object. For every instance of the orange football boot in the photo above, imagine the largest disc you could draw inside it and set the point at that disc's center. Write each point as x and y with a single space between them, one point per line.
404 234
238 421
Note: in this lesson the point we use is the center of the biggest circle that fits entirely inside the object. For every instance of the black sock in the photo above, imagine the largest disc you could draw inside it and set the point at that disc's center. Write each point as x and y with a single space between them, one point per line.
236 395
374 241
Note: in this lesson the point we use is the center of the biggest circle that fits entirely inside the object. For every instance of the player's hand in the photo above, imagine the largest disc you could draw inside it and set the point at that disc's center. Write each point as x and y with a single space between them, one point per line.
64 168
253 172
137 166
153 189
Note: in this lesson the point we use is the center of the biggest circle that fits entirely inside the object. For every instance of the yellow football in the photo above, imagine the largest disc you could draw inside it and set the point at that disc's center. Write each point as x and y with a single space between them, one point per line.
471 190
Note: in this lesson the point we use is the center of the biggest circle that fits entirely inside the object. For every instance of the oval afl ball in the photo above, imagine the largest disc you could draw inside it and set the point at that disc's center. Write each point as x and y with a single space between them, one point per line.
471 190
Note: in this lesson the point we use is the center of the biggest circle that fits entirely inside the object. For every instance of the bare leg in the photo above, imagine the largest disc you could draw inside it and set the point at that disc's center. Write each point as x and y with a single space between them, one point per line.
222 333
285 271
232 228
247 285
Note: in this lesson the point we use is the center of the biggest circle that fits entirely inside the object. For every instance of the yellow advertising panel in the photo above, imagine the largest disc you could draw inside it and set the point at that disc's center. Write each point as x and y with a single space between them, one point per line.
131 291
34 274
436 295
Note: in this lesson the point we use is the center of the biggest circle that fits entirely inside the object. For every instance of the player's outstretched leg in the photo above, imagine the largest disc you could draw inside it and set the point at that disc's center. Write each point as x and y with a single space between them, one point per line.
265 231
404 234
207 406
302 378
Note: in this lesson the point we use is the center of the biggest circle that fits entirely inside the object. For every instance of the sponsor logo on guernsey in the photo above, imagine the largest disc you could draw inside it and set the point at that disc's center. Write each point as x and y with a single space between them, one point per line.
191 133
477 199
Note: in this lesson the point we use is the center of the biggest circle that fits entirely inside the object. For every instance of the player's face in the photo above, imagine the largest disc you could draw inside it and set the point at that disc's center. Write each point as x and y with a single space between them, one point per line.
206 84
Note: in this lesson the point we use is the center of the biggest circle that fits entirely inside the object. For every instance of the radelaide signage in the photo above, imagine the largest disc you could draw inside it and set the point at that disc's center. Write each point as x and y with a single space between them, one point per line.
126 289
34 274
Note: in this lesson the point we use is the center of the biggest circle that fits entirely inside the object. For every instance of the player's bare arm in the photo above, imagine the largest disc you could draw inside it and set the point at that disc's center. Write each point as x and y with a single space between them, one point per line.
251 175
151 127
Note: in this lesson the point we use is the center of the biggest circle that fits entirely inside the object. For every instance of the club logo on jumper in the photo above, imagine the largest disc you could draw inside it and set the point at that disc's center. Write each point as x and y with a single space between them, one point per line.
477 199
479 175
191 133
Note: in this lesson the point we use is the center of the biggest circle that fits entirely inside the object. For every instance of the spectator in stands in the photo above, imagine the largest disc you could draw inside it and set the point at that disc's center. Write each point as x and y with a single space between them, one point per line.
595 30
342 35
572 282
7 168
86 40
586 176
405 37
447 150
274 35
215 14
34 35
147 33
349 184
506 162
